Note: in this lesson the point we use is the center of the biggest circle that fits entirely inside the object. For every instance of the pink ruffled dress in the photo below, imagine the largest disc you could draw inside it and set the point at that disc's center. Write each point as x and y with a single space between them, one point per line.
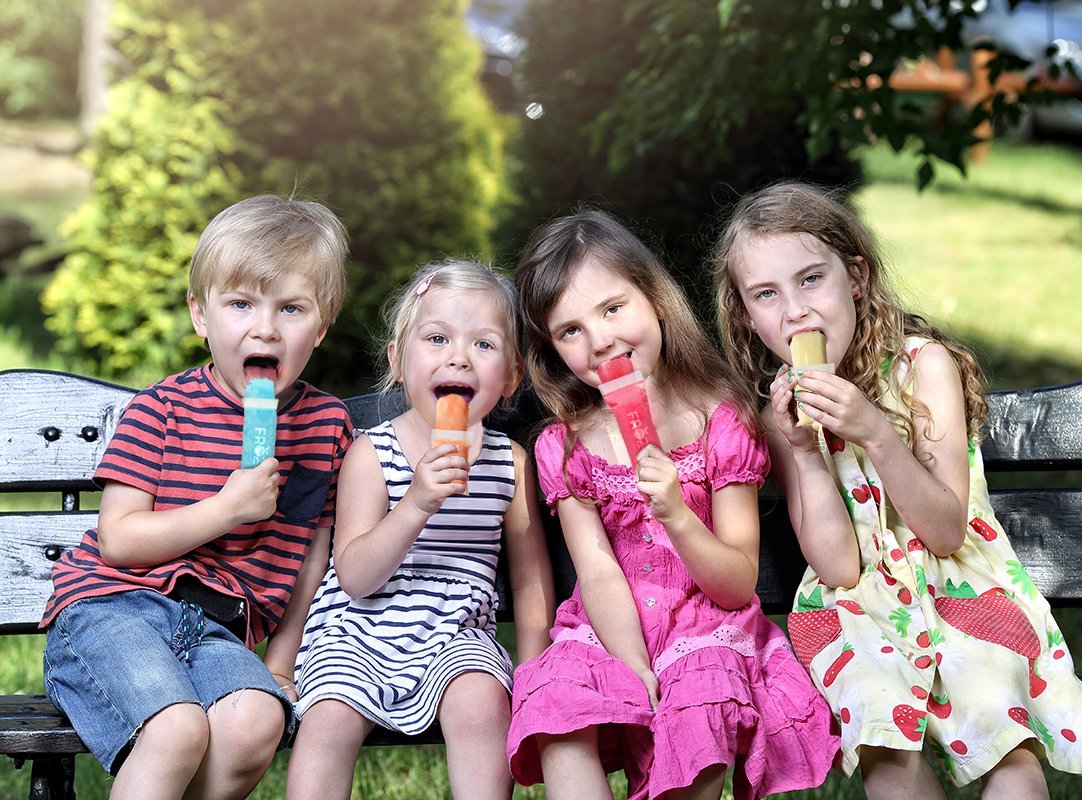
731 690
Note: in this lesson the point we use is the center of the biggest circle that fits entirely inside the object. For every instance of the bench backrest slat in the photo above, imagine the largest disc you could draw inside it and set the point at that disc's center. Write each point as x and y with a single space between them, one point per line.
54 428
1029 429
1034 429
29 544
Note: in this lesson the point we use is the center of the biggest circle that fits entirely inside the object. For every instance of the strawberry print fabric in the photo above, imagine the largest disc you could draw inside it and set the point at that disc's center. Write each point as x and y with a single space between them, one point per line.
960 654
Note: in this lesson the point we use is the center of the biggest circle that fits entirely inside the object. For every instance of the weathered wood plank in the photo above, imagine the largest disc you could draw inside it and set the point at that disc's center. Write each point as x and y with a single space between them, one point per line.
54 427
1034 429
29 544
31 725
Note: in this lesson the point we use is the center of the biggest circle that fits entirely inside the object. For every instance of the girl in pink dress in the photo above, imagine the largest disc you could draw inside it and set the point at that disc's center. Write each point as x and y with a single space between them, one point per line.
662 663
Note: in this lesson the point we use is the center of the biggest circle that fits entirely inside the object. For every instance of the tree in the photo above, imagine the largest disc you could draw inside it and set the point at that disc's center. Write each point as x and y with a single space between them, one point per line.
39 57
706 66
578 61
667 110
373 108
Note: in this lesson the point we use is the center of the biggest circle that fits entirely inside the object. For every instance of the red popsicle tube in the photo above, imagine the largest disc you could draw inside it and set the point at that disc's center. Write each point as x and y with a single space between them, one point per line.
624 390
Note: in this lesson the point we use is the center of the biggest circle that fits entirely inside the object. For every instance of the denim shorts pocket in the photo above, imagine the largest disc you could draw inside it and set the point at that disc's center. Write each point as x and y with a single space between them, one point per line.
304 493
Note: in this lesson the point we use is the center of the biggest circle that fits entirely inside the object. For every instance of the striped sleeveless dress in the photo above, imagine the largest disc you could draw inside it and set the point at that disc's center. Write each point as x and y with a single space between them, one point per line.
391 655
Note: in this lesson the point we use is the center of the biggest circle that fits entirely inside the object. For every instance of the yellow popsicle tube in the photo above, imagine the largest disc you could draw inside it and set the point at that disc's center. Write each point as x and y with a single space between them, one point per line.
808 350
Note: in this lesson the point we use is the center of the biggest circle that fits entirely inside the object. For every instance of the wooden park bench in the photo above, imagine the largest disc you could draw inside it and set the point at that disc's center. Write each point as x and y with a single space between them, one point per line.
54 427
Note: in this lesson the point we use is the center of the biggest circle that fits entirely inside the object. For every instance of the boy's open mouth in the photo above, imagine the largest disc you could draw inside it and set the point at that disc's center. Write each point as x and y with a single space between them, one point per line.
260 367
464 391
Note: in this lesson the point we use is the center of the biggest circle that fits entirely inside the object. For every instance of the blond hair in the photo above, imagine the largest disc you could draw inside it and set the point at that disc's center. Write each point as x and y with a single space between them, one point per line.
881 324
258 240
400 310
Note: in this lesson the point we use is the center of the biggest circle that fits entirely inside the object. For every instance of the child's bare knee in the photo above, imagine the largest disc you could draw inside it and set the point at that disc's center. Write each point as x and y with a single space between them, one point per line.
474 704
250 723
180 732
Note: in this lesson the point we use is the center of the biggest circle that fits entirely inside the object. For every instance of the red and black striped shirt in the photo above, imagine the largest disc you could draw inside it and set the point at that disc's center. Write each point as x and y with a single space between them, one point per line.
179 440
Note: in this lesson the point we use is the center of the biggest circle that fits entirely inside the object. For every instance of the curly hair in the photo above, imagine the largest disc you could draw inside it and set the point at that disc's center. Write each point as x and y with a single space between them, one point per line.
881 324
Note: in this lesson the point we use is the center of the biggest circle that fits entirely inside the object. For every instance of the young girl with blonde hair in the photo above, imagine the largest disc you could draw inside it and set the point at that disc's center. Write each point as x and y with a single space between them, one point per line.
915 618
403 628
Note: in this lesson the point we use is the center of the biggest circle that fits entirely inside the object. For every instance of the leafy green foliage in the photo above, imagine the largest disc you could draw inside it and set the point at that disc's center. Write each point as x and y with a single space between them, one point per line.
710 66
161 166
373 108
629 91
39 57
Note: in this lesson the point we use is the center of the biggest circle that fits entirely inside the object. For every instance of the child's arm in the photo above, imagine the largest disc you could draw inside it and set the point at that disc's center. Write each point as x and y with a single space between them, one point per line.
528 560
370 543
282 648
724 563
132 534
606 594
928 485
820 519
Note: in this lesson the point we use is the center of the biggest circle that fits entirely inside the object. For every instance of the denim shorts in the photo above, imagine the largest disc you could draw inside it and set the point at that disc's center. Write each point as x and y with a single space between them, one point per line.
113 662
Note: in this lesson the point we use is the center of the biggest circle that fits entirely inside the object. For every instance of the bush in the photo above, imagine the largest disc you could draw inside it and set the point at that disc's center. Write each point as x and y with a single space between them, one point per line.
39 57
374 109
162 165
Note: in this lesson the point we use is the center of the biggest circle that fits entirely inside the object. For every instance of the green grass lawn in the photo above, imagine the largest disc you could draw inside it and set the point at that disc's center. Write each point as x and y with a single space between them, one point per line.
996 259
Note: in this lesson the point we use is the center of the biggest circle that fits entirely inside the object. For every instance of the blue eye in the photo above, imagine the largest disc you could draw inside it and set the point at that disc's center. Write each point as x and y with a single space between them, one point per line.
485 345
437 338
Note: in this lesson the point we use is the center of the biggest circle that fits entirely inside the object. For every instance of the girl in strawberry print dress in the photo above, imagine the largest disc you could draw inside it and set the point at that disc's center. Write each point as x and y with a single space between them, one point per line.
662 663
915 618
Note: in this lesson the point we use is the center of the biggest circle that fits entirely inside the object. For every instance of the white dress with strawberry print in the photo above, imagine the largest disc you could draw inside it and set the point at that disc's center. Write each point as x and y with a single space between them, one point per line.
959 654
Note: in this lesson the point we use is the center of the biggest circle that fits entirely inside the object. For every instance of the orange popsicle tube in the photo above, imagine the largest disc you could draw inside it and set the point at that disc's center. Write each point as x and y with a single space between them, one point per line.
452 420
624 390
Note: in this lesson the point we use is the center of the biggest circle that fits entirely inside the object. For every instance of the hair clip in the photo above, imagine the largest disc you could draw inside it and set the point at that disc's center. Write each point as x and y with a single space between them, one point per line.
422 287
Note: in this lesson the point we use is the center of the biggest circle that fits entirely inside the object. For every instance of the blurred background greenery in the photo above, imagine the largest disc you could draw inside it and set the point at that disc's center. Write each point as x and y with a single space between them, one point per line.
454 128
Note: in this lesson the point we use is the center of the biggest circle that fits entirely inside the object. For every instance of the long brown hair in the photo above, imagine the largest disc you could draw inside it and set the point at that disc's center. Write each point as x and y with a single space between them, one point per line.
881 326
689 367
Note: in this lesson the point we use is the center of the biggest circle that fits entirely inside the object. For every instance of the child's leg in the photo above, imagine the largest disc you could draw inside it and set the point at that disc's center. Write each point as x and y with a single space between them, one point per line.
245 729
475 714
708 785
572 766
165 757
325 751
898 775
1018 774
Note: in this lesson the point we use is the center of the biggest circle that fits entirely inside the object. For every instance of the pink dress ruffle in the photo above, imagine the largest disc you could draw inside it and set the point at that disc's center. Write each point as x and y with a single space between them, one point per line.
731 690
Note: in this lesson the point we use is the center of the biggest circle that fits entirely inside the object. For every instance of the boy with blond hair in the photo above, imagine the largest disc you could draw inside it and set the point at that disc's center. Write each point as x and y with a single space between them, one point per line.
154 615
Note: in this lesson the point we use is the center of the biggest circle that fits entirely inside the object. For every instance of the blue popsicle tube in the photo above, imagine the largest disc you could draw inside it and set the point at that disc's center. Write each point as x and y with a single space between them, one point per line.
260 422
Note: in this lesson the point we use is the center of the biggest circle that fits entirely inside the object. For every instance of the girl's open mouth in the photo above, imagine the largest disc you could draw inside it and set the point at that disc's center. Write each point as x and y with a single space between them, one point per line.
447 389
